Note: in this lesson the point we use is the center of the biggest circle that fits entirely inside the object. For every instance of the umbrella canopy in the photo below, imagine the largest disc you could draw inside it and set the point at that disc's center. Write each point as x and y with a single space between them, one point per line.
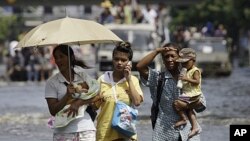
67 31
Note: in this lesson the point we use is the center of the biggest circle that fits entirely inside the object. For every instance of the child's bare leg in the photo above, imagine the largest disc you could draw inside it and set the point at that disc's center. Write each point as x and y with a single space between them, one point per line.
179 106
183 119
193 121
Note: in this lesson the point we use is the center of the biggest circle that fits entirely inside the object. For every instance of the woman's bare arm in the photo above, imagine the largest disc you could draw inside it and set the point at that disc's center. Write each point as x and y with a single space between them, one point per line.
142 65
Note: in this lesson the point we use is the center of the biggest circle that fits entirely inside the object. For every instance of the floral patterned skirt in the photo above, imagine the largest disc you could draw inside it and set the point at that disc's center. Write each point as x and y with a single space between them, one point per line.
78 136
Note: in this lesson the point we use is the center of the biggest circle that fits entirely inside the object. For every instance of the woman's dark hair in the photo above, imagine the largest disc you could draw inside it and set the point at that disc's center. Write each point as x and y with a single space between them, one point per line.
124 47
68 51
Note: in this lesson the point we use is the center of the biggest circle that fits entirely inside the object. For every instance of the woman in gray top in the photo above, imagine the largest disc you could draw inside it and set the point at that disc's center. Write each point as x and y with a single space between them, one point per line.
167 117
59 91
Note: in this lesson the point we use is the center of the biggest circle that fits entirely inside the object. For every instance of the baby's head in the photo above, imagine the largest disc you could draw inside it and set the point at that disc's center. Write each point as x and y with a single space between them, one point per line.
81 87
84 85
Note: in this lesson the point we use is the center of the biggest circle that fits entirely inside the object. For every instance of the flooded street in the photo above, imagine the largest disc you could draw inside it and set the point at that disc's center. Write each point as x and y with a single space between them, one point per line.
24 113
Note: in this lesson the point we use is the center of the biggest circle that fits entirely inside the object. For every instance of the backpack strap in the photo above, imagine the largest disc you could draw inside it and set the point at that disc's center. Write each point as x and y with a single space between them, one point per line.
160 87
155 105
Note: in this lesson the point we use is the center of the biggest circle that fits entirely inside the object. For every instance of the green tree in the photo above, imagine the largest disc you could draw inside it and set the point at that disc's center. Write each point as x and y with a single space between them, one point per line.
6 22
10 27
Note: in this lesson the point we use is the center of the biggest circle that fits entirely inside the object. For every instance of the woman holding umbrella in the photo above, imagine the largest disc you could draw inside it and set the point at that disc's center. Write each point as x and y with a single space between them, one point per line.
59 90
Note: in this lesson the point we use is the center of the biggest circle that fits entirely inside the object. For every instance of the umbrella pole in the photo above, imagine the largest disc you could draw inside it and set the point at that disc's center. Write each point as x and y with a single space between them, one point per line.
69 65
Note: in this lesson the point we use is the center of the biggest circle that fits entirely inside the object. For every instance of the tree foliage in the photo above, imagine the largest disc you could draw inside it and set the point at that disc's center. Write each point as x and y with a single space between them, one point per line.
6 22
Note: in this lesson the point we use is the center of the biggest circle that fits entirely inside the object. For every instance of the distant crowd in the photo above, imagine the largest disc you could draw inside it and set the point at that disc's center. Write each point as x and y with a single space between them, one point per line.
37 65
183 34
28 65
132 12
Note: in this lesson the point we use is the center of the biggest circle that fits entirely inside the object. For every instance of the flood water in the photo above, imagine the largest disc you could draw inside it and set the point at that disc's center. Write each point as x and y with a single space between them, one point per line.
24 113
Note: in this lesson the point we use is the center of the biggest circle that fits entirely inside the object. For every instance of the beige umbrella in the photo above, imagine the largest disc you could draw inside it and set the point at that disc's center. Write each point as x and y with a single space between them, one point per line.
67 31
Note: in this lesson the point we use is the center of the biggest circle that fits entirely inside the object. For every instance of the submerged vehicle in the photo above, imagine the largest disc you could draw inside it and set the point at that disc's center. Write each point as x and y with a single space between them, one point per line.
143 38
212 55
